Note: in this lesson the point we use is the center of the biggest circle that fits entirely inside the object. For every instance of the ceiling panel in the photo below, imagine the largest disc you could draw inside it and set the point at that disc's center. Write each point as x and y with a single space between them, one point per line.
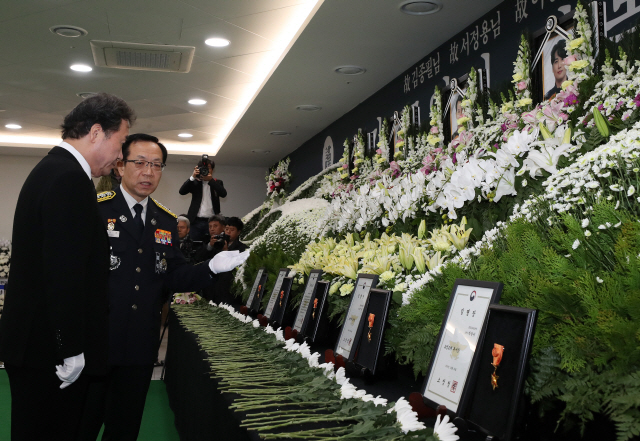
237 8
269 24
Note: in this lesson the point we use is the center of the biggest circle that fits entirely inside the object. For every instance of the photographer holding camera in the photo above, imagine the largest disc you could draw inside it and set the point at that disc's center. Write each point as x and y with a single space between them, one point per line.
217 242
206 192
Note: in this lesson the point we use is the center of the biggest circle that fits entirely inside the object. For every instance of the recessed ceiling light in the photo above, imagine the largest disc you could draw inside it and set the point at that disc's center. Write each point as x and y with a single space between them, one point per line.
350 70
185 135
279 133
68 31
261 151
217 42
85 95
13 126
81 68
420 7
197 102
308 107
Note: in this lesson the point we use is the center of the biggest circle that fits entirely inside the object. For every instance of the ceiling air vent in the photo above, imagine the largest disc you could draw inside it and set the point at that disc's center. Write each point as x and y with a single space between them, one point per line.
137 56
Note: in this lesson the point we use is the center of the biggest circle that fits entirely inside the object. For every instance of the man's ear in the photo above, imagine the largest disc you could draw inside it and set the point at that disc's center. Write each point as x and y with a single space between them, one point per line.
94 132
120 166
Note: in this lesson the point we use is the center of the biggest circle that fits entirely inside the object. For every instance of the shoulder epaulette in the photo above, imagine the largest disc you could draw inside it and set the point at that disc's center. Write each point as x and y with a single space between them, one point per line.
164 208
106 195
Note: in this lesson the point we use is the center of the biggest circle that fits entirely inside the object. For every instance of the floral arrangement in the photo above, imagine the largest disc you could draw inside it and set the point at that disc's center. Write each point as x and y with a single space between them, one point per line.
548 200
324 400
278 179
5 261
185 298
381 158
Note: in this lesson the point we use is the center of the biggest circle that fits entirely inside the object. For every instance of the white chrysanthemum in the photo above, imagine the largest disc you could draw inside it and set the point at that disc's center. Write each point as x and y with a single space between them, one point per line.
585 223
576 244
405 415
599 280
444 430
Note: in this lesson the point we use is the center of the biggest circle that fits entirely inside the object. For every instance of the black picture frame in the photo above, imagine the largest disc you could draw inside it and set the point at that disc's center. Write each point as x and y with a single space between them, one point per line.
494 297
367 352
317 323
302 316
253 302
494 412
365 282
277 315
538 87
268 310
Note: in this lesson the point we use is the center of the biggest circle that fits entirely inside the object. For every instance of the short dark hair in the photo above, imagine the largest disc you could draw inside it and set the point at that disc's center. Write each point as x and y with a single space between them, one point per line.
142 137
102 108
235 222
560 49
218 218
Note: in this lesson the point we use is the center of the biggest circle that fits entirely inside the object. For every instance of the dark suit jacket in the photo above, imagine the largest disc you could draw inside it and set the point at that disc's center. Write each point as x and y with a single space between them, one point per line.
56 300
222 292
195 188
140 265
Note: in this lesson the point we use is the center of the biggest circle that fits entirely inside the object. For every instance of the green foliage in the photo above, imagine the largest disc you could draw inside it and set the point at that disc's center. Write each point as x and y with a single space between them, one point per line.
588 333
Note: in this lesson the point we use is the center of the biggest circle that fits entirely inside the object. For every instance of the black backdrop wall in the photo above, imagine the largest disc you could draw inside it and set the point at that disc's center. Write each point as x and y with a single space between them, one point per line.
490 43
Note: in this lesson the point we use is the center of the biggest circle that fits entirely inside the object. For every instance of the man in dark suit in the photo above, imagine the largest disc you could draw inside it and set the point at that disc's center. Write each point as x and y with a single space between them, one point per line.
206 192
207 250
145 254
53 330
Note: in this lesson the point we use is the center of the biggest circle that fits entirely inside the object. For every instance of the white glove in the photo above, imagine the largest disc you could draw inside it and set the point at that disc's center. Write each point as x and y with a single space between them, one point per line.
70 371
225 261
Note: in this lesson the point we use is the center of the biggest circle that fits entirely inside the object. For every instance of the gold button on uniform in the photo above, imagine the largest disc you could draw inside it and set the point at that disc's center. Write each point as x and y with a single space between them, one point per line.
134 307
138 270
137 288
139 250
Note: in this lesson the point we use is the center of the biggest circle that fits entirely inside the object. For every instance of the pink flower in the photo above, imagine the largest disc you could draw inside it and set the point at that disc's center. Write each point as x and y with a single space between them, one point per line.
434 130
345 165
522 85
570 59
438 150
379 151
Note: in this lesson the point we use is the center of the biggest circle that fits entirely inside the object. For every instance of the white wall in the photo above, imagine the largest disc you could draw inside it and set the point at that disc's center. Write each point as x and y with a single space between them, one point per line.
245 186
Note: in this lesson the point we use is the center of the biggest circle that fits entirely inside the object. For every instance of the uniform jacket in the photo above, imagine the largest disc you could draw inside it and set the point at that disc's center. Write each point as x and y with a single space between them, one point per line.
139 267
195 188
56 299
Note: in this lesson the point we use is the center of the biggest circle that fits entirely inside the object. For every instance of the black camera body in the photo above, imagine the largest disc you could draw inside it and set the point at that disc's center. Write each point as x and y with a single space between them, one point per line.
203 168
222 237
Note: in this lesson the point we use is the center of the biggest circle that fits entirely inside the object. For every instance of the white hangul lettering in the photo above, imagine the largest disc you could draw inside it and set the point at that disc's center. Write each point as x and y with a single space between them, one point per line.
474 38
429 67
415 78
407 84
465 44
521 10
436 63
496 26
453 53
422 71
485 32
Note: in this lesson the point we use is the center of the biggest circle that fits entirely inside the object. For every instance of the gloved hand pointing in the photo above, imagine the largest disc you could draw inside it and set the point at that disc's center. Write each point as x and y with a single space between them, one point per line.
225 261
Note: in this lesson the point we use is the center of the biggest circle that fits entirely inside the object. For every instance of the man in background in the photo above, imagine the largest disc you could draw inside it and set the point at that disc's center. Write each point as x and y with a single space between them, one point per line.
186 244
206 192
233 229
53 331
225 281
217 240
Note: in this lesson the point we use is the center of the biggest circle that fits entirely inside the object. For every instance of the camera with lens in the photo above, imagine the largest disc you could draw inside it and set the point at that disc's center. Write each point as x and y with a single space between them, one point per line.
222 237
203 168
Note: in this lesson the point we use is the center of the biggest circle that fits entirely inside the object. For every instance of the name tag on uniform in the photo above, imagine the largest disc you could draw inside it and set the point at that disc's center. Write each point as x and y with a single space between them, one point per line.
113 233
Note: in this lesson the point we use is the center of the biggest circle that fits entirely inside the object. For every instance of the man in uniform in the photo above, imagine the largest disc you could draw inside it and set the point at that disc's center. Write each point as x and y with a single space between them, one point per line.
53 331
145 253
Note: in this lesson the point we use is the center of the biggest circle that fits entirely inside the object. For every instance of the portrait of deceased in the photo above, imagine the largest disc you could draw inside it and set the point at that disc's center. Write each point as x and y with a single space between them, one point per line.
456 112
554 70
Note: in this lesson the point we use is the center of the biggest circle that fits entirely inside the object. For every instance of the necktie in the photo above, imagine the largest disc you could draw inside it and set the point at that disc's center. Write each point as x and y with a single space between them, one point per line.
137 219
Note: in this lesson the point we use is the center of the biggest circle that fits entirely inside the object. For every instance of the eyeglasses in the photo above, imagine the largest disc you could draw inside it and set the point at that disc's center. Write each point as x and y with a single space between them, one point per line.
140 164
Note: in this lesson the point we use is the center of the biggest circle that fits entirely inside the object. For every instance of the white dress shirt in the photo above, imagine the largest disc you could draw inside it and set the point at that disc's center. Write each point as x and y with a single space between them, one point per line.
131 202
83 162
206 206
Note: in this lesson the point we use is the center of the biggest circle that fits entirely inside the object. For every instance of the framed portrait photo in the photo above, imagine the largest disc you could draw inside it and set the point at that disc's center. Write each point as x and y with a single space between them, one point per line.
550 70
